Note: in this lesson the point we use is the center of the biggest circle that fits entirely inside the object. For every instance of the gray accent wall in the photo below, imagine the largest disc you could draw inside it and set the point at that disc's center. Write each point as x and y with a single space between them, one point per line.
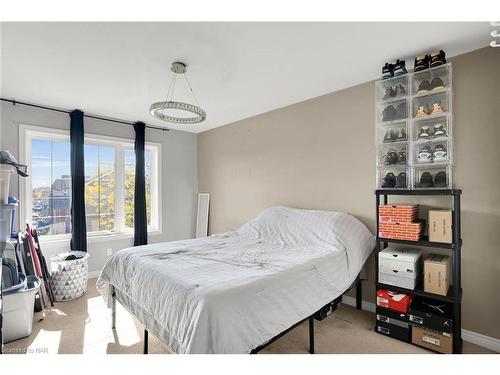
179 186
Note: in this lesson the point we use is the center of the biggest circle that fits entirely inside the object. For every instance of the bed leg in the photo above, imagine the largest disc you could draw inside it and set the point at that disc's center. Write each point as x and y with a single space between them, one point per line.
113 308
311 335
145 341
359 295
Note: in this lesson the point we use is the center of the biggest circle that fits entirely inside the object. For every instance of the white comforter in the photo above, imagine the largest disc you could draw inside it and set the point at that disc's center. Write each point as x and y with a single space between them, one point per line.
232 292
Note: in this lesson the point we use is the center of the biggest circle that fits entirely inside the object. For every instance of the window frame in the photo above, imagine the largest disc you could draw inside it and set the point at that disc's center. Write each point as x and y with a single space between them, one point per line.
29 132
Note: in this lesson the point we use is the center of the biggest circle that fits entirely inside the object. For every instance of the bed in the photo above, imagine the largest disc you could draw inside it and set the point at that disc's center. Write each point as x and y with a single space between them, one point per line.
236 291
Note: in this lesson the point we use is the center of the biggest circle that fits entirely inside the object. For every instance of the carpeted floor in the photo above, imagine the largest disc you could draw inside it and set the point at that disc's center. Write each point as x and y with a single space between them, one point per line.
83 326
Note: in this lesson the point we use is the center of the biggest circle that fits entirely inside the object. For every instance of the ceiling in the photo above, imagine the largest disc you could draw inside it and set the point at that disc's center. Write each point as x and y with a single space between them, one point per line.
237 70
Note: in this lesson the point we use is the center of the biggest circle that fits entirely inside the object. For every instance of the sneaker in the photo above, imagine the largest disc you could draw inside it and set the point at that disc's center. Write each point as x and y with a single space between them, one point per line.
389 113
389 93
437 84
391 136
424 133
389 180
437 58
424 87
401 110
425 180
421 63
439 131
401 134
387 71
437 108
402 157
401 180
400 90
391 157
439 153
440 180
425 154
400 68
422 110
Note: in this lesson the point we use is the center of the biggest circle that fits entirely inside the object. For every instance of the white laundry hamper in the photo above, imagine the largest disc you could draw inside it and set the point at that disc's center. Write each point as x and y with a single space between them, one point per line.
69 277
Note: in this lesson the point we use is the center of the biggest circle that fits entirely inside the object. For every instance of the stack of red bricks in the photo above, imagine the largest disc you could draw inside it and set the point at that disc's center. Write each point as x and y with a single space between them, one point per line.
399 222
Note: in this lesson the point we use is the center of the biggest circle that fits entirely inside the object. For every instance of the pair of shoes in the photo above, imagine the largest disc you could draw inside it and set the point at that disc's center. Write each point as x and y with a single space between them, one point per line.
391 92
424 109
439 130
395 135
393 70
426 61
435 84
394 113
393 157
390 180
426 180
426 154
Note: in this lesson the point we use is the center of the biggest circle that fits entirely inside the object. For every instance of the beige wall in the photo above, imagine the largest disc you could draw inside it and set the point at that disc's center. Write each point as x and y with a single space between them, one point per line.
320 154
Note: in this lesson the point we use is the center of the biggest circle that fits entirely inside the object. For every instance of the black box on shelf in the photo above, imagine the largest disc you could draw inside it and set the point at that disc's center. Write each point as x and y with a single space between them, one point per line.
385 314
393 323
393 330
431 314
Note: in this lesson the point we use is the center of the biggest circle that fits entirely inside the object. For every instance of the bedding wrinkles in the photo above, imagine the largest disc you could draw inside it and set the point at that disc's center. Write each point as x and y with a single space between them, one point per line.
231 292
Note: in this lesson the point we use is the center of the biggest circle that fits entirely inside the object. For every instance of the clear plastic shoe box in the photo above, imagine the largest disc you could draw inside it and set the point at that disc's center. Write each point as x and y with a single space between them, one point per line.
392 154
434 151
393 177
392 88
414 118
434 176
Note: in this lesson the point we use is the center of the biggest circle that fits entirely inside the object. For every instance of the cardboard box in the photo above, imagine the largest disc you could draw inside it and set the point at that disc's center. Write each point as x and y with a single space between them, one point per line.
431 314
438 341
401 231
437 274
399 213
440 226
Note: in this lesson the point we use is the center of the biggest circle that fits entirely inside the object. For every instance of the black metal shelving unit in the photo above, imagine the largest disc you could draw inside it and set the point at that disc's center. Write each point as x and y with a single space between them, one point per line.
454 295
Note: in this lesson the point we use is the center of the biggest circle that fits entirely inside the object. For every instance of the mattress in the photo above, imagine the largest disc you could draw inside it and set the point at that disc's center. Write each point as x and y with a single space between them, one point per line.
232 292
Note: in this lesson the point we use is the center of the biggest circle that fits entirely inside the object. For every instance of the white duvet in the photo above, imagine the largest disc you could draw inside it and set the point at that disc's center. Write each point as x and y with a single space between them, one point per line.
232 292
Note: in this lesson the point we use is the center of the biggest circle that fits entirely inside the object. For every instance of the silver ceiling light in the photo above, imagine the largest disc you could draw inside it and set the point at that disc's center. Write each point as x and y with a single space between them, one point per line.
194 114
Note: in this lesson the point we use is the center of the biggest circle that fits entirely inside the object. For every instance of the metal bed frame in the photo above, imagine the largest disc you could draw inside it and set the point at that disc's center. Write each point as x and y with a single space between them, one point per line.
318 315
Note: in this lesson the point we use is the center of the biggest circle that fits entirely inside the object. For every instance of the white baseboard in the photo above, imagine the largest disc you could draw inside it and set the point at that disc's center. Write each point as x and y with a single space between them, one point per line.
93 274
487 342
470 336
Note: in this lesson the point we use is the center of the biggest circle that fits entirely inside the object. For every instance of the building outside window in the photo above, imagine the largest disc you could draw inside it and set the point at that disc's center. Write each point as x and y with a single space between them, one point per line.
109 183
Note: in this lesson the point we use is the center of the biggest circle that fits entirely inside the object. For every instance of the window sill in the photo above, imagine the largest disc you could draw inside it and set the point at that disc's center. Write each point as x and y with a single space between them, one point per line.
64 241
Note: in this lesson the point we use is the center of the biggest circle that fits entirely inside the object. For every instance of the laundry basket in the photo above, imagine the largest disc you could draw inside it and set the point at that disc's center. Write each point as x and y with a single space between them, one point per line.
69 277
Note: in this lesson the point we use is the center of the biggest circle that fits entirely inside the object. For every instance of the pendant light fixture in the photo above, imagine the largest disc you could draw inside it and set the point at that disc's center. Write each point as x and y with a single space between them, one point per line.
194 114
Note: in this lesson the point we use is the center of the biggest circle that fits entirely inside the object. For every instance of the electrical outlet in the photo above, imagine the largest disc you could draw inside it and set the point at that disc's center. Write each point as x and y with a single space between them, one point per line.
109 251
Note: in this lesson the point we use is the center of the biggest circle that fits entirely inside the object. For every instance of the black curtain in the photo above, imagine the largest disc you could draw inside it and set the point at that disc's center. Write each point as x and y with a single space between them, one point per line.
140 218
78 224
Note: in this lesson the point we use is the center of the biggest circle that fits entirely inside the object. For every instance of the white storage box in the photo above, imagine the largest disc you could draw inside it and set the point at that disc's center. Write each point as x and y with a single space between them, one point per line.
18 306
401 267
394 280
5 172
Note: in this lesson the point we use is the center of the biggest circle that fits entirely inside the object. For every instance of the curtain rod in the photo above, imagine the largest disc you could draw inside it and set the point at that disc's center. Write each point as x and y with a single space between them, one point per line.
14 102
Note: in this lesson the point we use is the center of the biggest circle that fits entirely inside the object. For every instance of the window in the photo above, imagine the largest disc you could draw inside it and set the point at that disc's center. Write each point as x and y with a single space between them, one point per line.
129 158
109 183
